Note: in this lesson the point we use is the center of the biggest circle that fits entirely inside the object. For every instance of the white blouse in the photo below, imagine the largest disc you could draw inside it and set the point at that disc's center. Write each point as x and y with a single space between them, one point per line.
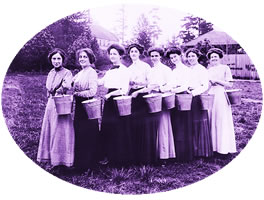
220 72
180 77
139 74
117 78
199 79
159 75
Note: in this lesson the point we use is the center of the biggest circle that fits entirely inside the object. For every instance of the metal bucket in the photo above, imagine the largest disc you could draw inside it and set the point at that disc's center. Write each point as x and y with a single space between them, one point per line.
154 102
234 96
123 105
207 101
93 108
168 100
63 104
183 101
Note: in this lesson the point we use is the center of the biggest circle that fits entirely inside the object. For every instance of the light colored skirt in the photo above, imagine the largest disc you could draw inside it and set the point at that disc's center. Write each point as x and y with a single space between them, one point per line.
221 122
165 140
56 144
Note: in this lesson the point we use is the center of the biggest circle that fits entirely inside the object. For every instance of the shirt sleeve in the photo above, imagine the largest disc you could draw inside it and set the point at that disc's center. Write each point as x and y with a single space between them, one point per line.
228 74
67 80
203 82
49 82
91 86
125 80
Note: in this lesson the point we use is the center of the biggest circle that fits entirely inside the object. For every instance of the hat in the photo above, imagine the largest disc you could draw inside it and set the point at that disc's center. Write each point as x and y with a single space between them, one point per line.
172 50
117 47
215 50
89 53
193 50
138 46
157 49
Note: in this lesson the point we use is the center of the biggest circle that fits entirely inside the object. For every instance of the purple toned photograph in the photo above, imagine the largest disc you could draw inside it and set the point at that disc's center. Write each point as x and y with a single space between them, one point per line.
132 102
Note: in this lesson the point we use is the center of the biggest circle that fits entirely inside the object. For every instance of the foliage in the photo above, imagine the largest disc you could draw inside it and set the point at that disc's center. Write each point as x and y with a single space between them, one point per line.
174 42
203 47
194 27
33 55
143 32
66 31
154 28
85 40
120 28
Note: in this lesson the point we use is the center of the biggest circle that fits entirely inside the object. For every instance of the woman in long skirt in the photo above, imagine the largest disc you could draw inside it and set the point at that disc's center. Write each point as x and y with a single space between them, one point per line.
116 129
86 130
181 120
56 143
143 124
221 120
159 78
200 123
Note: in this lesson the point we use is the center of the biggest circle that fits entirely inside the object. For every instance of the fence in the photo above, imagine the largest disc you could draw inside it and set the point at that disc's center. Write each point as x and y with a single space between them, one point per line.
241 66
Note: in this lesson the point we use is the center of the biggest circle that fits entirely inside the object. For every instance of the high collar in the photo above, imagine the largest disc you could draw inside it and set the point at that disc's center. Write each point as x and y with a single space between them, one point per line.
57 69
116 66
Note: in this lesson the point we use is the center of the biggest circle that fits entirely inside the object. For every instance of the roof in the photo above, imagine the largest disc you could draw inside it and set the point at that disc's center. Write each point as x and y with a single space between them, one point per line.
215 38
102 33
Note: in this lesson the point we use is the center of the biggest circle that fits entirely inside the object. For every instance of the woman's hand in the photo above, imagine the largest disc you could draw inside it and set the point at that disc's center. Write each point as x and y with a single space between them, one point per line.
107 96
189 90
213 81
134 94
75 93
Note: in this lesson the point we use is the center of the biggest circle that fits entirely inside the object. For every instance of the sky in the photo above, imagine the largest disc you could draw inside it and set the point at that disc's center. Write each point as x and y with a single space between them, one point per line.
170 19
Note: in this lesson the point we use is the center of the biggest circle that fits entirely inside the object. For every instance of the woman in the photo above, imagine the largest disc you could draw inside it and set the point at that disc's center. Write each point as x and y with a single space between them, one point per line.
159 78
115 130
86 130
144 124
221 120
57 135
181 120
199 84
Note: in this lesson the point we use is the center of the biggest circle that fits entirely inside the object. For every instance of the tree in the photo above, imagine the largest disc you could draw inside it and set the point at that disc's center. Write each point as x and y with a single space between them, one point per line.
194 27
67 30
120 29
33 55
174 42
85 40
154 28
143 32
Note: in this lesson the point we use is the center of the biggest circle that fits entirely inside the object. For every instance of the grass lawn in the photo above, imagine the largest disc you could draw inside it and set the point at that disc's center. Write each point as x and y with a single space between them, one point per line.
23 103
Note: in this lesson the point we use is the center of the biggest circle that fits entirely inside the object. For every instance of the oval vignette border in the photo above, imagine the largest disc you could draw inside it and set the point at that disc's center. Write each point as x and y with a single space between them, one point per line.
25 164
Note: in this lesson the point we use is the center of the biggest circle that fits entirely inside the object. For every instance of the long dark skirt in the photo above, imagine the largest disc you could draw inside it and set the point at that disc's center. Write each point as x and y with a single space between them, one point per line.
145 128
86 137
202 141
183 135
116 135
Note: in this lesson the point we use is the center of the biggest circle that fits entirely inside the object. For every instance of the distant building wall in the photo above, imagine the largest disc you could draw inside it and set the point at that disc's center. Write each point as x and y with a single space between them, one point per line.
104 44
241 66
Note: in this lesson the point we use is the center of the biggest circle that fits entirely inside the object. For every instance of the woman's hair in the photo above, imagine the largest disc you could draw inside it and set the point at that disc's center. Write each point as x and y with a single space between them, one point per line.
117 47
172 50
193 50
89 53
138 46
157 49
215 50
59 51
